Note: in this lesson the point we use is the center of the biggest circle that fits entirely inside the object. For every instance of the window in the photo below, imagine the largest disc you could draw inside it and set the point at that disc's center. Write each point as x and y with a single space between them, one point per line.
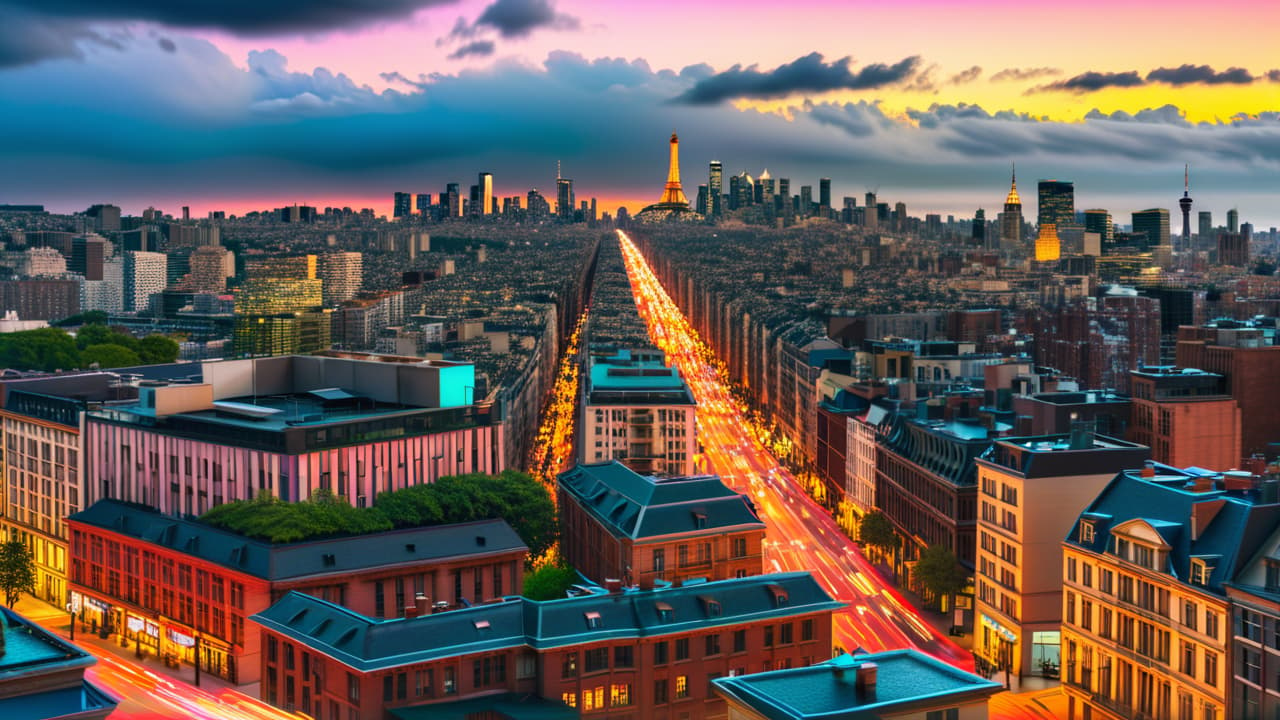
1251 661
682 649
768 636
1071 569
712 645
450 681
1211 668
1086 532
660 653
1210 623
569 665
739 547
595 660
623 657
1086 574
785 634
1272 581
806 630
619 695
660 691
594 622
1106 581
353 688
570 699
1251 625
1190 615
739 641
593 699
659 560
682 687
388 688
1188 659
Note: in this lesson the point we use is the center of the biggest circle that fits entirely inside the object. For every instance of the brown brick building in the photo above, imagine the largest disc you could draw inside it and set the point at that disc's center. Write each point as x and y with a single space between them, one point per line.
183 590
1098 340
617 524
1250 366
628 655
1186 419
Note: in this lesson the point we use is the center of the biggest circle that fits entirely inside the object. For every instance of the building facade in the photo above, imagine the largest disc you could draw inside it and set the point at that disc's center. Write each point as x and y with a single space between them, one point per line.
650 654
617 524
1145 615
640 412
1250 366
182 590
1185 417
1031 489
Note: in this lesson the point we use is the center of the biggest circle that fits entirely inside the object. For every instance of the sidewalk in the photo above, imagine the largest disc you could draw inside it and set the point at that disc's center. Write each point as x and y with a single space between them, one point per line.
57 620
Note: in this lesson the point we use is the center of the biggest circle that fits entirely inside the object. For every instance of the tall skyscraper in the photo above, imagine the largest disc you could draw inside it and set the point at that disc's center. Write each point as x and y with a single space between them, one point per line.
824 193
1184 202
806 200
871 217
1233 220
702 205
342 274
1154 223
424 203
1206 225
564 196
453 200
145 274
1057 203
900 218
402 206
782 201
766 184
715 189
486 193
1048 246
980 227
1011 218
1099 221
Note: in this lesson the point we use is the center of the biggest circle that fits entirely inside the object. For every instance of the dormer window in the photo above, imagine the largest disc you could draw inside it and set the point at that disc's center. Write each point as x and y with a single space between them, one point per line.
1199 573
665 613
700 521
482 624
779 595
1086 532
712 607
1273 575
594 621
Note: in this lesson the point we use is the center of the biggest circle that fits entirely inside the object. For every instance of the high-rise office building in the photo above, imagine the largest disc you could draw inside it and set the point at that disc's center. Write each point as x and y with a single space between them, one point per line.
782 200
715 189
870 218
806 200
145 274
1057 203
766 184
1011 218
1206 225
1184 202
87 255
424 203
1154 223
979 235
342 274
1099 221
564 195
1048 246
900 219
486 193
824 193
1233 220
401 207
702 205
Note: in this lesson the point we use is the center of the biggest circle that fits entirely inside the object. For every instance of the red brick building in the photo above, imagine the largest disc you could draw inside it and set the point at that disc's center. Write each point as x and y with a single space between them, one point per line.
633 654
1185 418
183 590
1250 365
1099 340
617 524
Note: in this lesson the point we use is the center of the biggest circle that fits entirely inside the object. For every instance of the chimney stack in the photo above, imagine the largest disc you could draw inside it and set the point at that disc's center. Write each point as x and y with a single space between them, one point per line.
866 682
613 585
422 604
1148 469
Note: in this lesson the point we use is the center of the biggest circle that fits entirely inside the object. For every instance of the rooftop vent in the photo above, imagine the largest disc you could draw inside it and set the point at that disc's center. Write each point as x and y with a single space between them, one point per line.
329 560
481 540
410 547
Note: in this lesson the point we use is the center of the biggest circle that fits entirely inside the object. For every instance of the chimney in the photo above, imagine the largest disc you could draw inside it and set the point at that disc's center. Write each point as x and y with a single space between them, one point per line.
866 682
613 585
1148 469
1201 484
1082 432
422 604
410 611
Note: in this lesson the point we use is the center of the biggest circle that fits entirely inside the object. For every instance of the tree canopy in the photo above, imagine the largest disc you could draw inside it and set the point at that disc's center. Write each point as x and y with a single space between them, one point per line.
52 349
939 571
512 496
549 582
17 572
877 531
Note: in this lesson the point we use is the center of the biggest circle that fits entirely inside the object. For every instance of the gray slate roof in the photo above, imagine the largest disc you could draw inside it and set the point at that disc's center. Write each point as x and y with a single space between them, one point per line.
1231 537
295 560
369 644
635 506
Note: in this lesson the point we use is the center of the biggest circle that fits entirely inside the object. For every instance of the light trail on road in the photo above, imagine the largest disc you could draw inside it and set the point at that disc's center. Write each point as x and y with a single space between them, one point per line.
801 535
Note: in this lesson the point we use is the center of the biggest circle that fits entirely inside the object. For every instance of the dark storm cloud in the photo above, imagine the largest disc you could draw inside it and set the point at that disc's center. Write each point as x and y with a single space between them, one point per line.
166 44
29 37
1093 81
248 17
1190 74
966 76
1025 74
1273 75
808 74
475 48
518 18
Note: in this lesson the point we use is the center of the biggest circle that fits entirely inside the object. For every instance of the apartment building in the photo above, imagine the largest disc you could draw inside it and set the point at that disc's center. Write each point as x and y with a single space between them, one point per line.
638 410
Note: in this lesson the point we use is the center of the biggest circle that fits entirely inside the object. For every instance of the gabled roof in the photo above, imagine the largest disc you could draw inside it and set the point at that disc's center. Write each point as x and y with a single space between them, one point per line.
635 506
296 560
369 644
1165 506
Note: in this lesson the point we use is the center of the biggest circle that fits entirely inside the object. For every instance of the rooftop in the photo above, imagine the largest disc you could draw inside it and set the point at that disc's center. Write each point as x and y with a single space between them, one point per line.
905 680
638 506
30 651
295 560
624 378
1078 453
369 645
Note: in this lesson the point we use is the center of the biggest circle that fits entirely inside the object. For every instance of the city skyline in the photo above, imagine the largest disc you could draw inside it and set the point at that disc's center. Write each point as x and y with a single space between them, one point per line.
218 109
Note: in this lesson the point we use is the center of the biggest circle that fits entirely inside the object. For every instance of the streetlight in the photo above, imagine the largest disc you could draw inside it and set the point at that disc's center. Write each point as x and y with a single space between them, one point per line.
71 611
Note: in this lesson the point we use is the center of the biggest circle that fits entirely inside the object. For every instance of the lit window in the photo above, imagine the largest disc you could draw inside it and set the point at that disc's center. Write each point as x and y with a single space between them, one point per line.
682 686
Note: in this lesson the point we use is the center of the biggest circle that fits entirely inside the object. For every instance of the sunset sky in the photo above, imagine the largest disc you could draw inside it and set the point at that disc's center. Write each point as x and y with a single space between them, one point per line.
240 105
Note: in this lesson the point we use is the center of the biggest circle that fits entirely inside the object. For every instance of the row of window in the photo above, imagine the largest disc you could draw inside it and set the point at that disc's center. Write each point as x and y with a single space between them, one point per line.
597 659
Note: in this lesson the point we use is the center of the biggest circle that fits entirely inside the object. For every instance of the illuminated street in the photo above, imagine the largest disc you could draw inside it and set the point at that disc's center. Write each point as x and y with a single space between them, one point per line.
802 535
553 447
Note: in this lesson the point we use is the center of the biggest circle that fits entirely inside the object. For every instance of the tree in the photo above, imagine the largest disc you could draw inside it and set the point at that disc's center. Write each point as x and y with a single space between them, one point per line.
108 355
549 582
157 349
938 571
43 349
877 531
17 572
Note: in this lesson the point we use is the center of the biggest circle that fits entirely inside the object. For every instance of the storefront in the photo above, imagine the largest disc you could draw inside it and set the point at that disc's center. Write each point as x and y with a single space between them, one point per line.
143 631
999 646
94 613
181 646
